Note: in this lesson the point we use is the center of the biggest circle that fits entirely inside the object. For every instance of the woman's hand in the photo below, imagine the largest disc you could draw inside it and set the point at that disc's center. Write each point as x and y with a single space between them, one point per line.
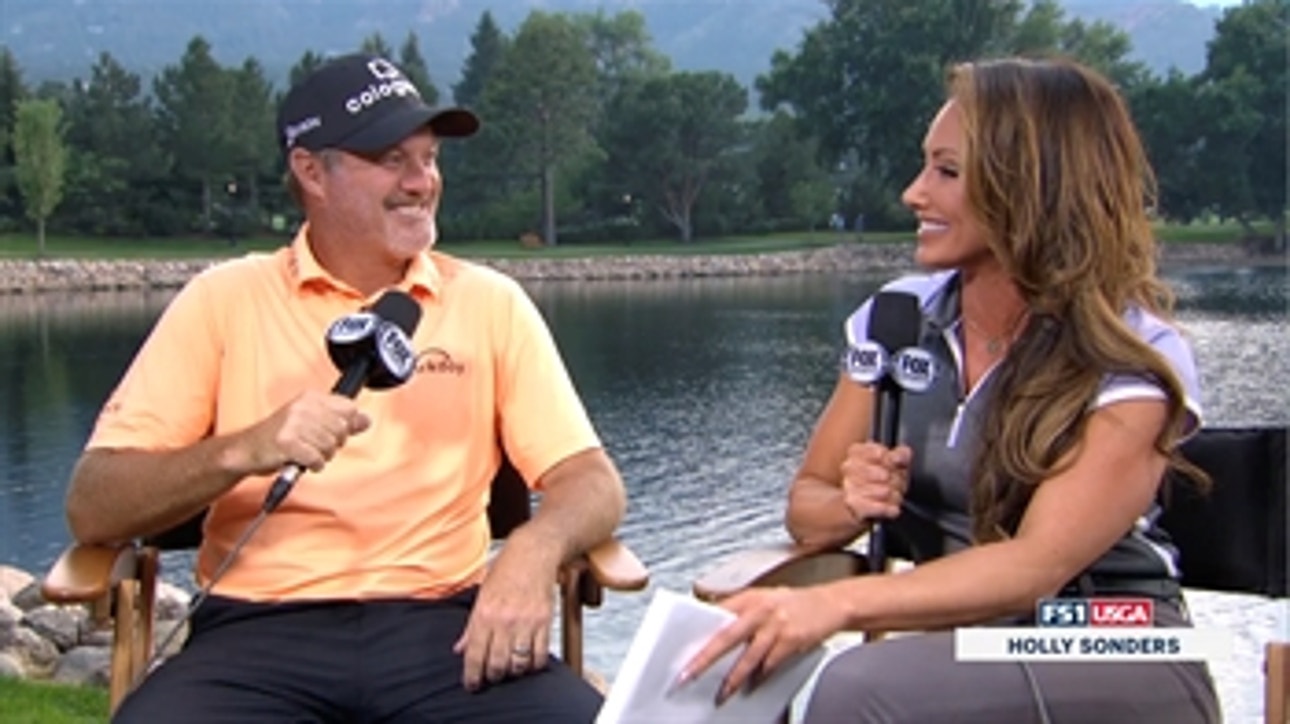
775 624
874 480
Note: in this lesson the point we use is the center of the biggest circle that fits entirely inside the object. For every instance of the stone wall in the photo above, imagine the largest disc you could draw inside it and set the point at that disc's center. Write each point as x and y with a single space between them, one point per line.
22 276
63 275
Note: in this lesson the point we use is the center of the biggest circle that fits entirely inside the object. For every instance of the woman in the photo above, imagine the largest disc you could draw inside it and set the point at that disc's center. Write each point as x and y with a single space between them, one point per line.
1034 463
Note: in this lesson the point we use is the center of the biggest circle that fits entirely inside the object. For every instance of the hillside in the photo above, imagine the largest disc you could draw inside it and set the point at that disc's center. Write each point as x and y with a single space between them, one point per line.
60 39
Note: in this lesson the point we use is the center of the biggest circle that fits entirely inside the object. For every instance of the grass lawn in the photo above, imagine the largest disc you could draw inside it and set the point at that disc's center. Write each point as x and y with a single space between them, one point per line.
23 246
23 702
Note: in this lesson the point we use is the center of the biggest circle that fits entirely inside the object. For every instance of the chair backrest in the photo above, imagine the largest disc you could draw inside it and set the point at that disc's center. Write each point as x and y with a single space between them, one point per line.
509 507
509 503
1234 538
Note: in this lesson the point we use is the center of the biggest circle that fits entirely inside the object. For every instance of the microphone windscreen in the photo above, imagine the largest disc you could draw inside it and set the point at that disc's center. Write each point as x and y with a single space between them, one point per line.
895 320
400 309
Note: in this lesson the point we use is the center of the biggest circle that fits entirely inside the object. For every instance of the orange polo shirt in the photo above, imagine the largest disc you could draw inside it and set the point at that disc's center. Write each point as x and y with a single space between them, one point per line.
400 511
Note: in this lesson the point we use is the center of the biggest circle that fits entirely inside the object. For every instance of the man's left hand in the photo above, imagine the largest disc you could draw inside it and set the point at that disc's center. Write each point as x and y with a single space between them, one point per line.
509 630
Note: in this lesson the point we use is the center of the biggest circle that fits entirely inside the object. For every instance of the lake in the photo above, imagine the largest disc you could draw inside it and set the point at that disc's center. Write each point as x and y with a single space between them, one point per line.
704 391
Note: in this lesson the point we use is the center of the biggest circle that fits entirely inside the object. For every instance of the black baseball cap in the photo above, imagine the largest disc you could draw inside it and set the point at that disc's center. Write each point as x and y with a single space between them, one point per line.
361 103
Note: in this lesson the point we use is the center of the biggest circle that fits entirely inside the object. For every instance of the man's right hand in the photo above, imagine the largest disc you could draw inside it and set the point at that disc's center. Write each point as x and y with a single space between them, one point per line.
306 431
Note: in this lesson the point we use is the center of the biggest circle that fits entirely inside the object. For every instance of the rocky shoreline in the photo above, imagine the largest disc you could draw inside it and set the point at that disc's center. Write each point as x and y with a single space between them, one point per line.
41 641
26 276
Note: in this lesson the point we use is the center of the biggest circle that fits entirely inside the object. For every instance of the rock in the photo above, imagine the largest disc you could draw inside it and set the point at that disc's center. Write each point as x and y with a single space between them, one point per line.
37 653
8 635
84 665
172 602
60 624
96 636
10 667
9 613
29 597
13 580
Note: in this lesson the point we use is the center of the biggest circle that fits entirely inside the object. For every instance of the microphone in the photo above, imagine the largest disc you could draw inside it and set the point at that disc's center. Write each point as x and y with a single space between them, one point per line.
892 363
372 348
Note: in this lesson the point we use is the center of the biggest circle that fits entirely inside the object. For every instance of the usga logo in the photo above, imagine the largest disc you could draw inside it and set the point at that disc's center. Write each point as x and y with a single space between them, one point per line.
1121 611
1071 612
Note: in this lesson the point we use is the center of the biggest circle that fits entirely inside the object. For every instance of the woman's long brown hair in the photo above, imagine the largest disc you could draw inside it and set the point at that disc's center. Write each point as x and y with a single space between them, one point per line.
1057 173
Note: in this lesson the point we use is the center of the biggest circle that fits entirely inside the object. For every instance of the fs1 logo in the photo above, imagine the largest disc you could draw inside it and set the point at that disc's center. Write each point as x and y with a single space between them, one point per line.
1059 612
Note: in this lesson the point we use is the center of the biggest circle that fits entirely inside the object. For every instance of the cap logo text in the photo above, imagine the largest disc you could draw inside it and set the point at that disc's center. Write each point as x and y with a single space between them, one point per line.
377 92
296 130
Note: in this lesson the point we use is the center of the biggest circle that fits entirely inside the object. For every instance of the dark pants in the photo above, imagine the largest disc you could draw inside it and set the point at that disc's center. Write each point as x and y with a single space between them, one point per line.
914 679
343 661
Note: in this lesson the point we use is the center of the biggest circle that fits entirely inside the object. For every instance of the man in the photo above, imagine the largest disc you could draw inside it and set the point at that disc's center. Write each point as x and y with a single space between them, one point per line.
364 596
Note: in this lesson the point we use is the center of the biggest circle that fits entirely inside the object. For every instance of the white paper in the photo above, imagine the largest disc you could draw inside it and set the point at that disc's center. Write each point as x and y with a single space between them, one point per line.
675 627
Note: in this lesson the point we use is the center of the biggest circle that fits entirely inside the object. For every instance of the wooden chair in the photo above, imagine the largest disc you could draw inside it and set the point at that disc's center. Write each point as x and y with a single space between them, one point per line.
119 583
1234 539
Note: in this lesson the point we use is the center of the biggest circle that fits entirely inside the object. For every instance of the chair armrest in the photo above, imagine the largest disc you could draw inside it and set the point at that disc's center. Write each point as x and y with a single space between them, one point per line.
614 566
782 565
85 573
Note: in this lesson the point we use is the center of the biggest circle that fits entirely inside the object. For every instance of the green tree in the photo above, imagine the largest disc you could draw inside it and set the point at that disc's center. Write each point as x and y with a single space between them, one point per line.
1246 67
253 147
622 48
487 46
866 78
12 90
194 101
1039 29
308 63
41 160
376 45
115 164
473 180
1172 115
1043 30
670 133
1105 48
414 64
793 189
624 53
541 105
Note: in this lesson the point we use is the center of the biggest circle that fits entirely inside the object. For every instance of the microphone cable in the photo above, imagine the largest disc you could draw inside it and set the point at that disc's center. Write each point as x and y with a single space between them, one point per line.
203 593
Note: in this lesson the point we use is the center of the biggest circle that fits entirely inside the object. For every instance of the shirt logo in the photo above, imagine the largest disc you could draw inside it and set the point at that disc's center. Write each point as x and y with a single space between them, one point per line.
434 360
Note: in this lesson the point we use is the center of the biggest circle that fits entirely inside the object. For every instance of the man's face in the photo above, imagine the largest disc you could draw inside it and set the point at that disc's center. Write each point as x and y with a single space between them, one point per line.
386 201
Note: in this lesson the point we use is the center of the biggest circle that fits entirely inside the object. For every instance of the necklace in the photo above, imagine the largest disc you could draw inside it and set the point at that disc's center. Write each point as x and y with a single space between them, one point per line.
995 346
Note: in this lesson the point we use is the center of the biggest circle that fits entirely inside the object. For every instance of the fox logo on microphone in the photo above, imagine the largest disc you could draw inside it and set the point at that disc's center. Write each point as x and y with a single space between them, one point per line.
396 351
866 362
913 369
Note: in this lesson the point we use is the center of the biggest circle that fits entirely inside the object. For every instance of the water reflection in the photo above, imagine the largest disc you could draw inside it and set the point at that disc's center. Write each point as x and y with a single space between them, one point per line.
1246 292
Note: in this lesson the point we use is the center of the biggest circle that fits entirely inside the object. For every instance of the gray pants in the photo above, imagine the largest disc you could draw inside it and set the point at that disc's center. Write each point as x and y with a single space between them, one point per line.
915 680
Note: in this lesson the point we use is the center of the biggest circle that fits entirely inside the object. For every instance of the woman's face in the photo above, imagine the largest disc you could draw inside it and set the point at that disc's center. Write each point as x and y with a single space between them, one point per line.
949 233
